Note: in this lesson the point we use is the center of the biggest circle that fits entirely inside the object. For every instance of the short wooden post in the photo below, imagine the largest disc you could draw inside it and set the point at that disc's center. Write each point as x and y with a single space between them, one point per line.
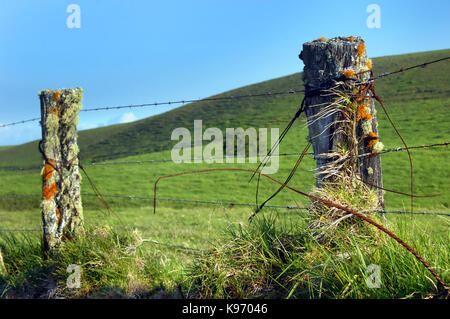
332 63
62 212
2 265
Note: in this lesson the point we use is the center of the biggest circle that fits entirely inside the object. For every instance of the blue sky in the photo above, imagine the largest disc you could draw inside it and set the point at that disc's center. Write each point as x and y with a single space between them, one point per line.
132 52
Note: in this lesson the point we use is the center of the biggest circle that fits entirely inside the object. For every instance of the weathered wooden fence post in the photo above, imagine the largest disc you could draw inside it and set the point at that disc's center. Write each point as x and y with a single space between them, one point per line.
2 265
62 212
330 66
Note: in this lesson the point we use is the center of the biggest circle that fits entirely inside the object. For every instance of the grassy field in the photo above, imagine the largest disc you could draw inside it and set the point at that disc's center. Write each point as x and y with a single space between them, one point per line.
430 176
418 102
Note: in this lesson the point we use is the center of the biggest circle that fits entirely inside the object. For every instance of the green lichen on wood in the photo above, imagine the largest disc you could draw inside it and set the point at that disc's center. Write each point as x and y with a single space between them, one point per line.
366 127
2 264
336 63
378 147
62 214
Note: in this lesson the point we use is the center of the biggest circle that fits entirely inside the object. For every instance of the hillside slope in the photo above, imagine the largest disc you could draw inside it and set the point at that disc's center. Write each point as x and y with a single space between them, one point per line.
153 133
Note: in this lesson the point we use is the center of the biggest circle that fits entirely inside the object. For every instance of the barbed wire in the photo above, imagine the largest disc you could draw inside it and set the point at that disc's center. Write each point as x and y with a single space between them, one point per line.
390 150
155 242
130 197
150 161
20 122
171 245
401 70
234 97
218 98
19 230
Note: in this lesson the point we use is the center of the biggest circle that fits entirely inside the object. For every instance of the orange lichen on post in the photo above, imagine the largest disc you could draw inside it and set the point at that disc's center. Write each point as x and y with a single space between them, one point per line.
348 73
361 49
56 95
351 39
54 111
372 140
361 112
369 64
58 216
47 172
49 191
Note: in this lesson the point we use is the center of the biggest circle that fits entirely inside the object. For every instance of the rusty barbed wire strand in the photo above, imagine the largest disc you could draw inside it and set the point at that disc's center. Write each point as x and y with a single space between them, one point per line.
395 191
171 245
20 122
324 201
378 99
131 197
155 242
268 94
218 98
401 70
390 150
19 230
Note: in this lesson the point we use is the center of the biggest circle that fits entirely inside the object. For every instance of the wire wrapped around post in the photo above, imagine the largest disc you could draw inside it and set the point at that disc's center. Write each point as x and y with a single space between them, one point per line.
341 113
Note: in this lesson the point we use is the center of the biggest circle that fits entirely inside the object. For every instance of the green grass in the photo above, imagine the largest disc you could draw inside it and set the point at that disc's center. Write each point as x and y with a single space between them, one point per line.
273 259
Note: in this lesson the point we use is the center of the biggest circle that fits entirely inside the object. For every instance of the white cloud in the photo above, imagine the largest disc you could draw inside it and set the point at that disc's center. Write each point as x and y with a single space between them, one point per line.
128 117
88 126
14 135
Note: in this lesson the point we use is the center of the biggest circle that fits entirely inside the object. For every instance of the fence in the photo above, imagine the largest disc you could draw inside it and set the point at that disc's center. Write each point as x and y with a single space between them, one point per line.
230 98
267 94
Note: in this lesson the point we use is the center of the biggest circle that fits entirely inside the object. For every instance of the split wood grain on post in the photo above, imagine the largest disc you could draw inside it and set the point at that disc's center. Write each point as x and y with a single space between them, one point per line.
335 68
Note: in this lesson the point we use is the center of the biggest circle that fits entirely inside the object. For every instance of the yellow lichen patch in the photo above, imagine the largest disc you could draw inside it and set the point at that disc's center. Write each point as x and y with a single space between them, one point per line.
348 73
56 95
366 127
369 64
321 39
351 39
361 49
49 191
47 171
378 147
361 112
372 139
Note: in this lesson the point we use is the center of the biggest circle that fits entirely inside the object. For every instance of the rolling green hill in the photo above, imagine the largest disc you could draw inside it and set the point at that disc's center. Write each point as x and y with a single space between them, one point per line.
153 134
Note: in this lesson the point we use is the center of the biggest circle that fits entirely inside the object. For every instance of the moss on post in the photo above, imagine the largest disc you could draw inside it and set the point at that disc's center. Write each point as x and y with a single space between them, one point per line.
2 265
62 211
341 113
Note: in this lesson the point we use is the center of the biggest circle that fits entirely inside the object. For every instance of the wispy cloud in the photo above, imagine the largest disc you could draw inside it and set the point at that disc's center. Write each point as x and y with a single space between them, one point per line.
19 134
128 117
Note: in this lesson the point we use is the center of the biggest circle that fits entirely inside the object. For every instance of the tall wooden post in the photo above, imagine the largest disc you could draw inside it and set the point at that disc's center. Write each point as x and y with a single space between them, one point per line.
336 65
62 212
